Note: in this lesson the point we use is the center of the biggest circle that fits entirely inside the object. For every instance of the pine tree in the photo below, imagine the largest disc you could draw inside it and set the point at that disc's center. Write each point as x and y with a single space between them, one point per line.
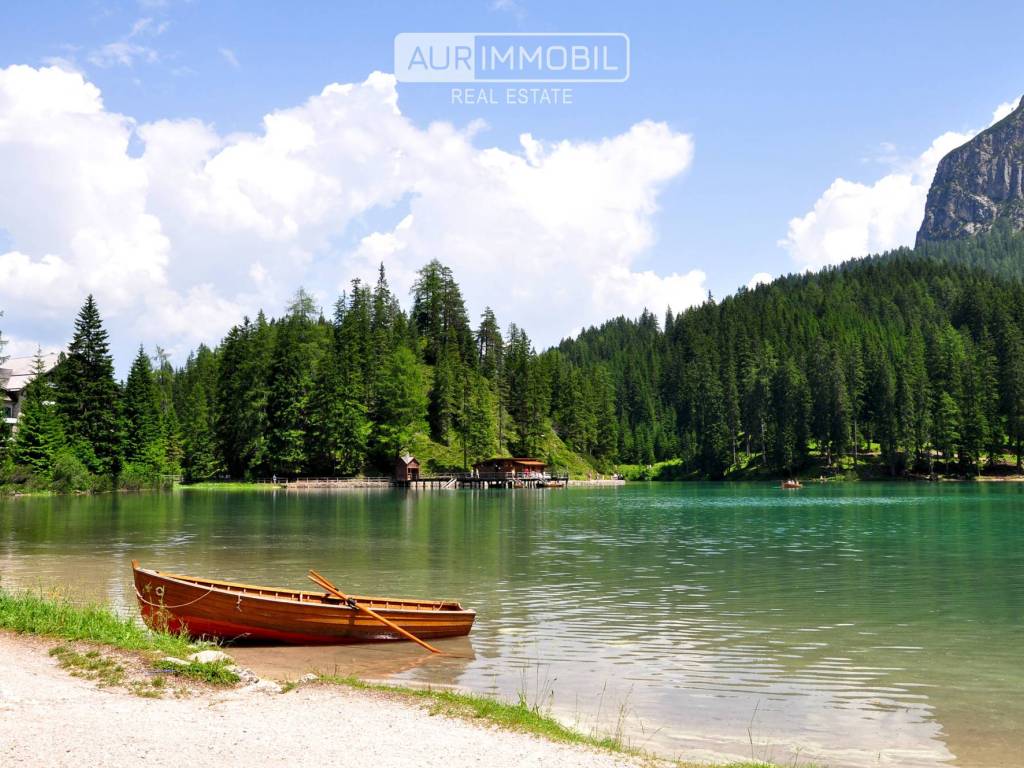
143 442
439 313
789 405
404 405
1012 394
242 396
490 347
297 351
39 434
200 456
338 427
170 429
88 398
475 420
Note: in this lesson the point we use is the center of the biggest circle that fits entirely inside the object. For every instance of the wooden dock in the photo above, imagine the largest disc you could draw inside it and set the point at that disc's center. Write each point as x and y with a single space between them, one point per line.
424 482
483 480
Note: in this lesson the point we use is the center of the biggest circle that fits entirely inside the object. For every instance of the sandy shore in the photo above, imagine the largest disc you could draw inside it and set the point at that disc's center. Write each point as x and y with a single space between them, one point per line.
49 718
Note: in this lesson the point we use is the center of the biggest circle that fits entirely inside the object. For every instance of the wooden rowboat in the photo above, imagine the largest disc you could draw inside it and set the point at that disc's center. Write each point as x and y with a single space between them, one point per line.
230 611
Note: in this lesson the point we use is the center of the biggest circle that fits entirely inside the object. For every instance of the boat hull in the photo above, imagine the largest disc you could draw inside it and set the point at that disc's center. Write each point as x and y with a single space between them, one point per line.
229 611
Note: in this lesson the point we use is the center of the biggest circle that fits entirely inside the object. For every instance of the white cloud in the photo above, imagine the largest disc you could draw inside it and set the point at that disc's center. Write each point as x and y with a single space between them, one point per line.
229 56
122 53
852 219
127 51
759 278
179 242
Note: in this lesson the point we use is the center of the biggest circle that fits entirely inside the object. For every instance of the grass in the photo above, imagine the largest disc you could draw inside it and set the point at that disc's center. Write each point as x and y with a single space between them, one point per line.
518 716
226 486
91 665
213 672
55 615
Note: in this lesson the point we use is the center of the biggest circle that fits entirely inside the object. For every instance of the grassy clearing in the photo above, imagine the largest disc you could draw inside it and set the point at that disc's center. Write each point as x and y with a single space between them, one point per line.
226 486
519 716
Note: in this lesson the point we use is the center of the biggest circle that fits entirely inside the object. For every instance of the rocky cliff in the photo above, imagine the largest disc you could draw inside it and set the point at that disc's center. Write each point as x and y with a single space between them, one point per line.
979 183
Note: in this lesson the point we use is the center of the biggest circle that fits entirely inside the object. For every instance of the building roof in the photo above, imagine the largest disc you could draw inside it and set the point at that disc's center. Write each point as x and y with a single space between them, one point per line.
537 462
17 372
407 459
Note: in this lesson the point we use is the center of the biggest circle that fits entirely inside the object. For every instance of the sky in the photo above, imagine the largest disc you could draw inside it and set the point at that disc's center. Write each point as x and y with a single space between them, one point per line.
189 163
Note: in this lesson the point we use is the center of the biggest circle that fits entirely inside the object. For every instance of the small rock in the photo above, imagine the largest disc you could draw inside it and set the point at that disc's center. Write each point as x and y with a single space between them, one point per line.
264 686
173 661
209 657
245 676
309 677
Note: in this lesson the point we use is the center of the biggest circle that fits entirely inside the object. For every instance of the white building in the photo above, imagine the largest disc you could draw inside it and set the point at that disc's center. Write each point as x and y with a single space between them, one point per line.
15 374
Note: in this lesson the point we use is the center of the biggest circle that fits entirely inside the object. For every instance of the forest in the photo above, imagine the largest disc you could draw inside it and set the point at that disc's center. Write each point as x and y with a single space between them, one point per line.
906 362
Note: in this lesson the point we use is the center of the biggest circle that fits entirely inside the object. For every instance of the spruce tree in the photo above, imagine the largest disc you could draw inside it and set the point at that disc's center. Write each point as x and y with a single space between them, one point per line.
295 359
39 434
338 427
143 442
196 395
403 403
242 394
88 398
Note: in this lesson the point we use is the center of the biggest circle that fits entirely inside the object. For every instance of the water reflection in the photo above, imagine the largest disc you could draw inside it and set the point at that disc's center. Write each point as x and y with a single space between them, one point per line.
865 625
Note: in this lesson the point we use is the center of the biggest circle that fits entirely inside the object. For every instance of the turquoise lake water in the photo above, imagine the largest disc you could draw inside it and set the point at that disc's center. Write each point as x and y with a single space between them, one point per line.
853 625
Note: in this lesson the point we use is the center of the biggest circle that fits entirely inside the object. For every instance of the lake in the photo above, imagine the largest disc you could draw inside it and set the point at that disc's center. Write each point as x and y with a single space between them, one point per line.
854 625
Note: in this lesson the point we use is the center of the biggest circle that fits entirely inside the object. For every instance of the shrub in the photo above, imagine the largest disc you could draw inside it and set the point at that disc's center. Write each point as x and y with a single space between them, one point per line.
136 476
69 474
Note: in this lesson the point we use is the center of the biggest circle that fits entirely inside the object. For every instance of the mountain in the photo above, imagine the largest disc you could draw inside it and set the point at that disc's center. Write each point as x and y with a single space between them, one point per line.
978 184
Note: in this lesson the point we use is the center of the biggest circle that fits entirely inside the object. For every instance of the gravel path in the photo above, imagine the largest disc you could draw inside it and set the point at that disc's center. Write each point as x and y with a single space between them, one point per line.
48 718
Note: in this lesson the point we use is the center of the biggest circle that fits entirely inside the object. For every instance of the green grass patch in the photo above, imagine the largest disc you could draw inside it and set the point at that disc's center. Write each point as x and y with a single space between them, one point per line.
55 615
518 716
213 673
91 665
226 486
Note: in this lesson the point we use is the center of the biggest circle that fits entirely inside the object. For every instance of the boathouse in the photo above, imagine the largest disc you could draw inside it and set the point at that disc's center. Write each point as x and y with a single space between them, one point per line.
407 468
517 467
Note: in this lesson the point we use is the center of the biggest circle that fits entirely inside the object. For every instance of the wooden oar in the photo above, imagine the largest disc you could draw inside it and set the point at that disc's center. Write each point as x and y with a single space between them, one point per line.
320 580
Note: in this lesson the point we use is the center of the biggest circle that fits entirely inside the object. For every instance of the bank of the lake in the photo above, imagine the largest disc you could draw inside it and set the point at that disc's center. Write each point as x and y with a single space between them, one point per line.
842 623
75 721
118 654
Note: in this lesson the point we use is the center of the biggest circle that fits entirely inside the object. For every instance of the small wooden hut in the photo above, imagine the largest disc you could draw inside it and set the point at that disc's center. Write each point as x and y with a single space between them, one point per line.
407 469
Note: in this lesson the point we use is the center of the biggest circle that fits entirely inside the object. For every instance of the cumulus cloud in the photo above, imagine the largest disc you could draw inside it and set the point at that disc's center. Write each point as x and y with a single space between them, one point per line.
179 241
759 278
852 219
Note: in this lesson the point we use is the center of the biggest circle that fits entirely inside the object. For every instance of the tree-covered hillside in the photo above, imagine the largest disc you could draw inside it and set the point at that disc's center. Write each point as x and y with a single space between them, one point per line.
307 395
1000 252
911 361
910 353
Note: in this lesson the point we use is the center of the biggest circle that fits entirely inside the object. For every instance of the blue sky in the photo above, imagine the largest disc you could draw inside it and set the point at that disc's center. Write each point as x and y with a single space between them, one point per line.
778 101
